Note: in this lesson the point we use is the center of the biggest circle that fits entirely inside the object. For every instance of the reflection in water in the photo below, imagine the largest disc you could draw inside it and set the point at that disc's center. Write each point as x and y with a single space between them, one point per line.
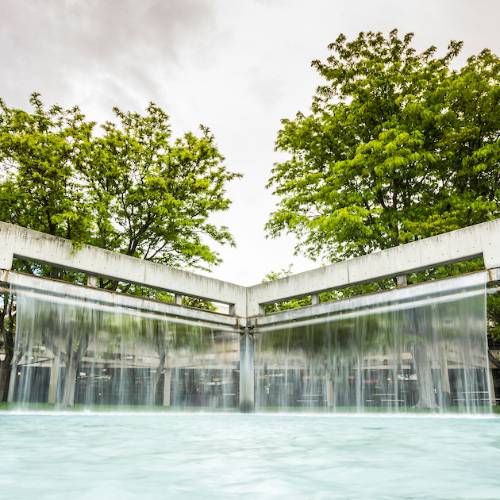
74 352
427 352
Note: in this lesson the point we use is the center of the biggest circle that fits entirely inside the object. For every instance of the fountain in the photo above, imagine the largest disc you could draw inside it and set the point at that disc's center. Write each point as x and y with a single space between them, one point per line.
72 352
383 394
421 349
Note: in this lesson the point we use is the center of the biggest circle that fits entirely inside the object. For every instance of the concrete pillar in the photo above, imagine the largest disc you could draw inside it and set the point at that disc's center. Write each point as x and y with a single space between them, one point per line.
92 281
401 281
6 259
178 299
54 378
167 377
247 373
314 299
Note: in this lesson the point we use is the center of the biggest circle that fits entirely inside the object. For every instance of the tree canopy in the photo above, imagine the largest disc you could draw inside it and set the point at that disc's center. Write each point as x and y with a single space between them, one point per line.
132 188
398 146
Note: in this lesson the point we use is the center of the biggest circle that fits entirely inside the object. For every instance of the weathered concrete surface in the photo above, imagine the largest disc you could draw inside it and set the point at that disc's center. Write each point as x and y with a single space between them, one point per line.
481 239
21 242
57 290
417 293
247 373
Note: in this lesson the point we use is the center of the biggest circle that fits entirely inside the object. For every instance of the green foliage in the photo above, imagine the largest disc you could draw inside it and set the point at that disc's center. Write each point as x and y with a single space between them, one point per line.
132 189
40 186
397 147
198 303
153 196
494 316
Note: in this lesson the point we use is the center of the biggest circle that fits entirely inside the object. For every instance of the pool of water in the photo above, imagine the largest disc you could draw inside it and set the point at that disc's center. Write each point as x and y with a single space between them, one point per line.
215 456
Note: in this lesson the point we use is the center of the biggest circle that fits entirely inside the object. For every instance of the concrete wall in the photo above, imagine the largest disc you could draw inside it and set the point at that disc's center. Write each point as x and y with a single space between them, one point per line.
60 290
422 294
482 239
17 241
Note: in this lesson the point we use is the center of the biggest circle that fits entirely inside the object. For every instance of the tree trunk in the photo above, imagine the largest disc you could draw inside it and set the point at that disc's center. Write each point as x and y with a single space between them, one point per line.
73 358
5 371
445 377
68 396
157 376
54 380
423 366
7 328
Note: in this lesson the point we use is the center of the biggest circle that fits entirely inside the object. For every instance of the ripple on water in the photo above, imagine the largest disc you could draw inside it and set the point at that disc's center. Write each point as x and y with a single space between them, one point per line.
128 455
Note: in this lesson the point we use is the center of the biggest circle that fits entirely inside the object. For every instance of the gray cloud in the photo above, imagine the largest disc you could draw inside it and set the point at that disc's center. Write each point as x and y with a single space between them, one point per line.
235 65
114 45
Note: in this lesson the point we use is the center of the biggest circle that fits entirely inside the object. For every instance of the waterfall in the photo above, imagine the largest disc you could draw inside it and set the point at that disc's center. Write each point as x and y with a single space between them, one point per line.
72 352
419 348
392 351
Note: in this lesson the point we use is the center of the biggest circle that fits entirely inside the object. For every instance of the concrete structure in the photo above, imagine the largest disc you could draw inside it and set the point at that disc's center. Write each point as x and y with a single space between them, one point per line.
246 302
24 243
474 241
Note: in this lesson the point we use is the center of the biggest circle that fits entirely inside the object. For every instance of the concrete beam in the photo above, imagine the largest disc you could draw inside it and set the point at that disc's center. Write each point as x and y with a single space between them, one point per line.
481 239
88 296
422 293
18 241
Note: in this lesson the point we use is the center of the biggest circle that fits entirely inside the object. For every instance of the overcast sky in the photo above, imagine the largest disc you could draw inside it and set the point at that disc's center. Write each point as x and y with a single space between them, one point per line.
237 66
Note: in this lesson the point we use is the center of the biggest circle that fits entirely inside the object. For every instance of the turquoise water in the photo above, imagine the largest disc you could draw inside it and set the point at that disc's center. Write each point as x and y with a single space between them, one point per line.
215 456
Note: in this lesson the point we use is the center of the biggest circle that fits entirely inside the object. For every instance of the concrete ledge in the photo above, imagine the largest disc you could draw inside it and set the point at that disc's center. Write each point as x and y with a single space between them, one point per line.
430 290
52 289
479 240
474 241
18 241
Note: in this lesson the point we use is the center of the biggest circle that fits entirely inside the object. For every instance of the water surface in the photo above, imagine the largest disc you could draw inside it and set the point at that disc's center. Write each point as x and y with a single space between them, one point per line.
214 456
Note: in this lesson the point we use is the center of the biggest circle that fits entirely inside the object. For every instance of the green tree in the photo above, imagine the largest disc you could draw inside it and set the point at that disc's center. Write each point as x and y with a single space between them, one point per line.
40 186
398 146
133 189
153 196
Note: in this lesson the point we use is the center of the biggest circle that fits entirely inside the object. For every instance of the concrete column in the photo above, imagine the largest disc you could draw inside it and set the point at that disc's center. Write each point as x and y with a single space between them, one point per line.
54 378
247 373
6 259
401 281
178 299
314 299
167 377
92 281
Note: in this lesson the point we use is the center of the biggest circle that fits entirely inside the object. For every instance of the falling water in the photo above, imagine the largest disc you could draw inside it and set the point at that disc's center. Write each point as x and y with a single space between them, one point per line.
421 347
73 352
